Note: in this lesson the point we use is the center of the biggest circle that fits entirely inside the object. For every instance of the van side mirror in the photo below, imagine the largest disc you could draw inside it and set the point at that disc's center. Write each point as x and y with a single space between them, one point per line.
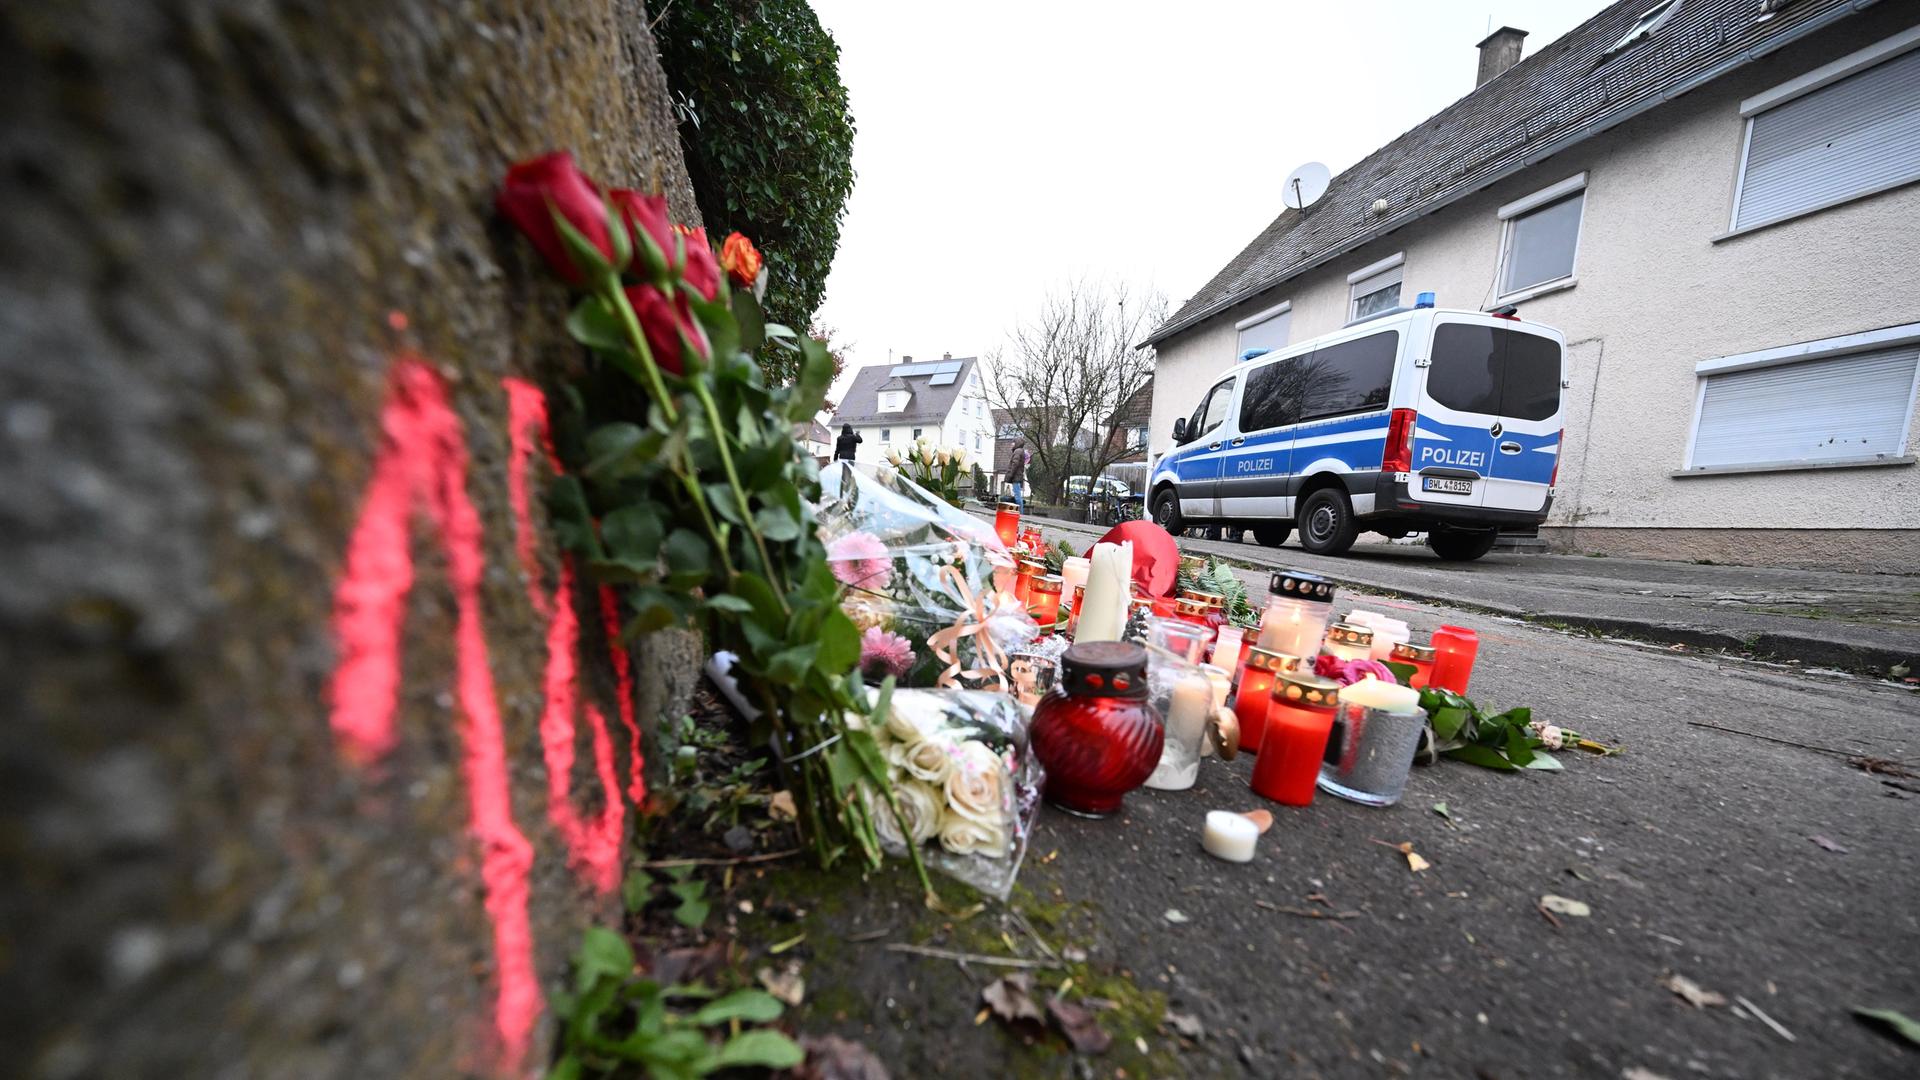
1180 430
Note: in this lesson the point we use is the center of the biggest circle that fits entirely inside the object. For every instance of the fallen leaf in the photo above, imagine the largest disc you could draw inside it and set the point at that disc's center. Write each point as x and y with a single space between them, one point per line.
787 985
830 1057
1695 995
1441 809
1561 905
1140 1043
1828 844
1416 863
1898 1023
1077 1023
1176 916
781 807
1011 999
1898 671
1262 819
1186 1026
1638 1073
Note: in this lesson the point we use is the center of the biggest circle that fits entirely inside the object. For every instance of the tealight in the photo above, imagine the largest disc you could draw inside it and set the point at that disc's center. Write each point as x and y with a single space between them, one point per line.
1229 836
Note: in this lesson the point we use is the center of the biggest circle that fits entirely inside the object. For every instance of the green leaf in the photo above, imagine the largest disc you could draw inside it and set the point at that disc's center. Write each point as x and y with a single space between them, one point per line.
751 320
1545 762
692 913
567 1068
688 558
752 1006
763 1047
839 644
1484 756
816 374
602 952
572 520
754 589
635 890
610 444
790 665
1518 750
1448 721
1403 673
633 533
1899 1023
777 523
732 605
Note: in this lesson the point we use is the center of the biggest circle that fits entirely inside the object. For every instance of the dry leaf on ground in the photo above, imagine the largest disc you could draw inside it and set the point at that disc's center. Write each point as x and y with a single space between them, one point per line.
1186 1026
1416 863
1077 1023
1828 844
1561 905
1176 916
830 1057
786 985
1011 999
1695 995
781 807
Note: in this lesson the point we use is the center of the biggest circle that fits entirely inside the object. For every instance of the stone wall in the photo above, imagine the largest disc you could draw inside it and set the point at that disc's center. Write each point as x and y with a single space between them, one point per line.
213 210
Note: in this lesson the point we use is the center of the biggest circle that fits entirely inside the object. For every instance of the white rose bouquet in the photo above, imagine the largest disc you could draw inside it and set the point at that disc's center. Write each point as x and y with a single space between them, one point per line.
964 782
938 469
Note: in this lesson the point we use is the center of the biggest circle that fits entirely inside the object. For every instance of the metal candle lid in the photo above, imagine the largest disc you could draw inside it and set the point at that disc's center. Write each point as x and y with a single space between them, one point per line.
1189 605
1268 660
1342 633
1104 669
1209 599
1031 565
1013 506
1301 586
1412 653
1309 691
1048 583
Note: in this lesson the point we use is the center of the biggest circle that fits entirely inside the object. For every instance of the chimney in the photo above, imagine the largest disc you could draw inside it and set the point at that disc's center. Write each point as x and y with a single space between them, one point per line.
1499 51
946 356
906 359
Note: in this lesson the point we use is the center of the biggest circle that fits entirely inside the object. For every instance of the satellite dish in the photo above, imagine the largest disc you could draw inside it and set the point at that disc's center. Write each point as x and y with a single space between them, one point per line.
1305 185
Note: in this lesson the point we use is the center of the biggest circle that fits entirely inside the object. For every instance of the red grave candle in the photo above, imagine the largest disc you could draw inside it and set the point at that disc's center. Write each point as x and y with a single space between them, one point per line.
1006 524
1073 612
1257 677
1043 601
1454 648
1419 656
1295 742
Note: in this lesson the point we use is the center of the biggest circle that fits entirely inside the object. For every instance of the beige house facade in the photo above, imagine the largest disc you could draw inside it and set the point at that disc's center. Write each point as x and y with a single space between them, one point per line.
1742 344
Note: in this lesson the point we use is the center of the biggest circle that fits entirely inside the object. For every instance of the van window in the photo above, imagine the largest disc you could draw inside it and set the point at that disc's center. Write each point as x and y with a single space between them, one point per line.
1353 376
1495 371
1213 410
1275 394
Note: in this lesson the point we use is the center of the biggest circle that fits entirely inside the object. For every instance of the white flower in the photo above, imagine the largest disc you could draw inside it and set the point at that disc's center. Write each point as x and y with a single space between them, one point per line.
930 761
1548 734
893 458
942 457
900 725
965 836
920 812
976 786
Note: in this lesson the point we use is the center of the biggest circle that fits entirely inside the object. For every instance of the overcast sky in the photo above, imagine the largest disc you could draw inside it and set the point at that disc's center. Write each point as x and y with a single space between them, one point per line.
1003 147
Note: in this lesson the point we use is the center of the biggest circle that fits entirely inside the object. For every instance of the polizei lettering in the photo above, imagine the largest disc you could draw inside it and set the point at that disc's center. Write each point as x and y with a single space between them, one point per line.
1465 459
1248 465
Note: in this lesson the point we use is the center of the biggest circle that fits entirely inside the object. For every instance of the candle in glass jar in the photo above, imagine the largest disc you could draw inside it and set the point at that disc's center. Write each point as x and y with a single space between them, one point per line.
1187 717
1190 609
1073 609
1226 647
1419 656
1295 741
1031 540
1031 569
1454 649
1229 836
1387 633
1006 524
1256 690
1043 601
1296 615
1376 732
1073 574
1103 612
1349 642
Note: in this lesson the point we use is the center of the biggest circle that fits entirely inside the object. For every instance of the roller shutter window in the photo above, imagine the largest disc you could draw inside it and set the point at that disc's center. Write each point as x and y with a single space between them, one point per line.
1842 408
1268 334
1849 138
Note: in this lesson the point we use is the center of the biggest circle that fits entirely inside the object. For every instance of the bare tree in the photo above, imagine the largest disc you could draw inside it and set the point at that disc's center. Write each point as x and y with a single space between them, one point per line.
1068 369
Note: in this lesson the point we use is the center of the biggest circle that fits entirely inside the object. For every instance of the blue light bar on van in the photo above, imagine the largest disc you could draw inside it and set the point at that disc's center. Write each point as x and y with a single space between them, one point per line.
1425 299
1252 353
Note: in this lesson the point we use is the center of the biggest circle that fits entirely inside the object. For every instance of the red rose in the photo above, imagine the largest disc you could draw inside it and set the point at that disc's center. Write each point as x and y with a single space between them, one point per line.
740 259
646 219
702 272
535 189
667 323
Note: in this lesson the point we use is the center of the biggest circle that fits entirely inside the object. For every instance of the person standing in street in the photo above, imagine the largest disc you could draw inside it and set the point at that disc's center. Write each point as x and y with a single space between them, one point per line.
847 444
1017 459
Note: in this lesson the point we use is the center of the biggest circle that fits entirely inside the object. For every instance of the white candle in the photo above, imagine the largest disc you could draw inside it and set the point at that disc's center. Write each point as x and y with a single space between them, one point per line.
1073 571
1226 647
1385 696
1103 610
1187 715
1386 634
1229 836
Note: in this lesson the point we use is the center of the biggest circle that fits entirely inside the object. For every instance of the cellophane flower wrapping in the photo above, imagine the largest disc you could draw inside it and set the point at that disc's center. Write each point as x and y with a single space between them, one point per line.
914 566
965 781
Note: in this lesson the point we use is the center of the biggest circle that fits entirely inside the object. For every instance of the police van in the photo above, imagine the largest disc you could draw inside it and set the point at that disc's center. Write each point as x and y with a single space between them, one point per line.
1412 420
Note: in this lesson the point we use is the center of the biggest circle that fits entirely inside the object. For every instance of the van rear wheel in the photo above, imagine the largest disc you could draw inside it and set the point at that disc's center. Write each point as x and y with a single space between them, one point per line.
1166 511
1326 522
1461 545
1271 534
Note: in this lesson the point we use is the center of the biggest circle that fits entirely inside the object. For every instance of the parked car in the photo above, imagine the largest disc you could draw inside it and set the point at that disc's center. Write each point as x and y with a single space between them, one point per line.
1106 486
1414 420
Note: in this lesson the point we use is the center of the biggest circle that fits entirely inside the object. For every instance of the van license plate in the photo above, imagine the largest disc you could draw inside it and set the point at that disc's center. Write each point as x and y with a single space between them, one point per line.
1446 485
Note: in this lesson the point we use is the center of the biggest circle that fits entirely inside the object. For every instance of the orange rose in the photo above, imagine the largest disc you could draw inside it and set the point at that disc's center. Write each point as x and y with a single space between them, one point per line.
740 259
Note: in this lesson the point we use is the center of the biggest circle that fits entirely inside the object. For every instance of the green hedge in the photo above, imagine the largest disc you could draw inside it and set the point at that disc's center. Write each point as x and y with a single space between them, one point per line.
769 140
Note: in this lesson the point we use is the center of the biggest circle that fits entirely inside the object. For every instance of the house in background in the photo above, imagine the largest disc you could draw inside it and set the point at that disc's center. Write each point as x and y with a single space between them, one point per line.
1035 426
813 435
1129 429
1715 201
892 405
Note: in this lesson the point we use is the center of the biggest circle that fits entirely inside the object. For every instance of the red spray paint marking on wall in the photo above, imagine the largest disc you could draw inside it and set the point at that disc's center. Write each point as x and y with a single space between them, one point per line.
422 461
593 845
623 683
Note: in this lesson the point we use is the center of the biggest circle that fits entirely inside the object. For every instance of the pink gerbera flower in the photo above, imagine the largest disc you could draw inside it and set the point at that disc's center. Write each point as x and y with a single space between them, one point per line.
883 653
860 561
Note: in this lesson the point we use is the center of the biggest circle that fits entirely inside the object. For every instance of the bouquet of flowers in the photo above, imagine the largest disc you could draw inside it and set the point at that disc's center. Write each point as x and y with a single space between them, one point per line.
937 470
964 783
922 581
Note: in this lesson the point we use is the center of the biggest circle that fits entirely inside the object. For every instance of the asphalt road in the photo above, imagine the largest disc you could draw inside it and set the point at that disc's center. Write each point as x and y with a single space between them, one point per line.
1694 849
1815 617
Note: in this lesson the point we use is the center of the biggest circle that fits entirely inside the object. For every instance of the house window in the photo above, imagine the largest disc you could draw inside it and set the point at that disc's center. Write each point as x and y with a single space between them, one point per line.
1848 129
1263 331
977 444
1842 400
886 435
917 431
1376 288
893 401
1541 235
1650 20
